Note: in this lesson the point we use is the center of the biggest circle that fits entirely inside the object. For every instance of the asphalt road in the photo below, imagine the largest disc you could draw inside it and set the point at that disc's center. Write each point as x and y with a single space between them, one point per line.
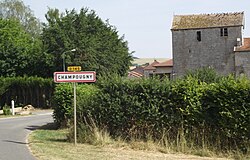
14 132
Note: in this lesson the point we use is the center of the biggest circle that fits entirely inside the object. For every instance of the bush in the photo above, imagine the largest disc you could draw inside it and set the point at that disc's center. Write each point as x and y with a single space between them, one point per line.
62 101
227 111
128 107
204 74
186 111
6 110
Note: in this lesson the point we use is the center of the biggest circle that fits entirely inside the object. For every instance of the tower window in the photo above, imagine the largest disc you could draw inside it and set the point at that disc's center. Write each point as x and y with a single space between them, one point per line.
198 35
223 32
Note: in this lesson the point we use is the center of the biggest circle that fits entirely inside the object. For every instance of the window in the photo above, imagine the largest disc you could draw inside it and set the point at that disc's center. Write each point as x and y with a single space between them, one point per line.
223 32
198 35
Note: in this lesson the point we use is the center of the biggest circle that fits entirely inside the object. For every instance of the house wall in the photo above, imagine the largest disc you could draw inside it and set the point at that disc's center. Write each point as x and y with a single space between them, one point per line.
148 72
242 63
213 50
162 70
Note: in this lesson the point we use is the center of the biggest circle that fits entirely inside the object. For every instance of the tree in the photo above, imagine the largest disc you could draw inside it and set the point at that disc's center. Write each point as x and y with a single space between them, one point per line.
15 9
98 46
20 53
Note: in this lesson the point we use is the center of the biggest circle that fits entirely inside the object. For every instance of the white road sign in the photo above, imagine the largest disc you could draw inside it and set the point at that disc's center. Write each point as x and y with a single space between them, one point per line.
86 76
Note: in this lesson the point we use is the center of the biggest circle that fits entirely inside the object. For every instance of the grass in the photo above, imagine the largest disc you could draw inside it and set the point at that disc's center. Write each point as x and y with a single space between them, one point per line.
50 144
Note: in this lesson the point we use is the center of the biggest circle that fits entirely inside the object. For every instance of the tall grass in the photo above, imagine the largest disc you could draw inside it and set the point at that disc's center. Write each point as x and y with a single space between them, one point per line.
91 134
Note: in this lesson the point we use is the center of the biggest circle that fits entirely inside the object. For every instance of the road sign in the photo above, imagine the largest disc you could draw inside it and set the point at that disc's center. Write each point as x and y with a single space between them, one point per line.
74 68
82 77
86 76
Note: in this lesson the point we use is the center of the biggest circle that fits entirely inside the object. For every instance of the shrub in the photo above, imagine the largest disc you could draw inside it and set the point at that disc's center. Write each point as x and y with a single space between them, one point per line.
227 111
186 111
204 74
128 107
6 110
62 101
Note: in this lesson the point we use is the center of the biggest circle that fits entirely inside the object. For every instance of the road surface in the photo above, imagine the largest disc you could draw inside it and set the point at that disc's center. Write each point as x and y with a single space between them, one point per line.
14 132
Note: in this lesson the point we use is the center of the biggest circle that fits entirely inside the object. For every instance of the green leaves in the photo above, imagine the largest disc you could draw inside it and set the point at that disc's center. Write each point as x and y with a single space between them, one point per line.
227 103
26 90
24 50
213 111
20 54
16 10
98 45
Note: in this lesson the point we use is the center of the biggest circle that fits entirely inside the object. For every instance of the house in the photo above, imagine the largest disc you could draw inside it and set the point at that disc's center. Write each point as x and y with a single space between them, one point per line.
145 61
207 40
242 58
150 69
138 65
164 69
136 72
160 69
142 67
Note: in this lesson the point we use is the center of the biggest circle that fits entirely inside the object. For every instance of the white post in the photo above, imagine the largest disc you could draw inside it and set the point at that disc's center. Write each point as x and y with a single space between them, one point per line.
13 107
75 111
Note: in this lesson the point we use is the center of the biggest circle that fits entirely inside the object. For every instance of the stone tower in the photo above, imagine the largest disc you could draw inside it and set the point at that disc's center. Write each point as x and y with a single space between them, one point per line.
206 40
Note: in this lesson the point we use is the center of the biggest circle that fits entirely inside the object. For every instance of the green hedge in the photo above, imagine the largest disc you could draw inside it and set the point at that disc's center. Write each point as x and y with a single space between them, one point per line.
62 102
26 90
226 110
186 110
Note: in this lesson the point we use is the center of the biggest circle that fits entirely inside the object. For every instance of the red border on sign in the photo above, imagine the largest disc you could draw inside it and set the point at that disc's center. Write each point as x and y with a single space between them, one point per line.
81 81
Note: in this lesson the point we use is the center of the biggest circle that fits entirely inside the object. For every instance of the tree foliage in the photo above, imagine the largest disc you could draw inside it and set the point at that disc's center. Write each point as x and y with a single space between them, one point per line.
15 9
205 74
98 46
20 53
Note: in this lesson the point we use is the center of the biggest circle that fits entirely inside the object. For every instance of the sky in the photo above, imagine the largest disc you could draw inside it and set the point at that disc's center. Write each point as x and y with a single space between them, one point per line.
145 24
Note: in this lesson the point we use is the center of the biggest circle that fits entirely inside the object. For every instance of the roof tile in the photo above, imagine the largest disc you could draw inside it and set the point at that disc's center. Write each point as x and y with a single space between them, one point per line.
168 63
207 20
151 66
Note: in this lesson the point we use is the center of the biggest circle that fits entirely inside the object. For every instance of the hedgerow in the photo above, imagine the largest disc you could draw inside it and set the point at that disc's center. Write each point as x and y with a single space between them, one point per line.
26 90
186 111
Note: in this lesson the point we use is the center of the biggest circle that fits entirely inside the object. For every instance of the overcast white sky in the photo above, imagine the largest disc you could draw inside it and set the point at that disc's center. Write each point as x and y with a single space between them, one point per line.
146 24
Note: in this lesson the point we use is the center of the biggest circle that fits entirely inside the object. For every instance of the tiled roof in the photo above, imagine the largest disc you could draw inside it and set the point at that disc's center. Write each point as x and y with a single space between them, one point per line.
138 69
143 61
134 74
207 20
151 66
168 63
245 47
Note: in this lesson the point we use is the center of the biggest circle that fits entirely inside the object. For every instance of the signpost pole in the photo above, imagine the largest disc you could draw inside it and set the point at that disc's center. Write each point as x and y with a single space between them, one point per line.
75 77
75 113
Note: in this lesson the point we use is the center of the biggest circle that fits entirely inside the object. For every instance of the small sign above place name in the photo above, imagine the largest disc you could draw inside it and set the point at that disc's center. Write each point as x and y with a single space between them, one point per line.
74 68
87 76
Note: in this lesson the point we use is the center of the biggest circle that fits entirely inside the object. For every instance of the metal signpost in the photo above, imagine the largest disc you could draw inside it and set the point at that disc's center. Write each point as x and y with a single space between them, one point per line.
75 77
